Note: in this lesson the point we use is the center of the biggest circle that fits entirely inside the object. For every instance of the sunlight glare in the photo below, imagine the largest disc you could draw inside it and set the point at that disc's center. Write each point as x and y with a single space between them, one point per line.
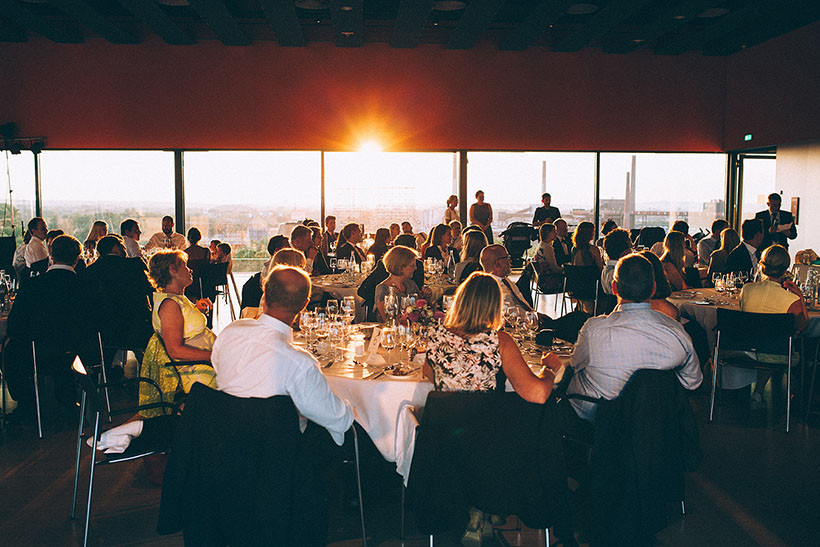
370 146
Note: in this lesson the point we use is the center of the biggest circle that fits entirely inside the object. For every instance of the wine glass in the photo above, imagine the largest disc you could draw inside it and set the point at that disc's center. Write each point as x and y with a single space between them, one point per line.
332 264
720 283
447 302
332 307
342 264
531 322
348 309
388 342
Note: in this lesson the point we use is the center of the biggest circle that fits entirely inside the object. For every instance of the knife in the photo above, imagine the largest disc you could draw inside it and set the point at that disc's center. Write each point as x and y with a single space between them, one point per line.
376 376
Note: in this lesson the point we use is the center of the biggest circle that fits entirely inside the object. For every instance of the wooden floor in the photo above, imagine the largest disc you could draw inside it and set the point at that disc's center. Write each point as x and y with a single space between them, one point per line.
757 485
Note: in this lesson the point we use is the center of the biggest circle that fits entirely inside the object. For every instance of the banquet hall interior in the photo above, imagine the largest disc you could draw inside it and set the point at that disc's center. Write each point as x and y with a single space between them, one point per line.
244 117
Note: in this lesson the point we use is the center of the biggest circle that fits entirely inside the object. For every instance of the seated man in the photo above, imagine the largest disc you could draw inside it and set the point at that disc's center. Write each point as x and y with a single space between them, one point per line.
617 243
167 238
634 336
744 257
301 238
707 245
120 295
48 311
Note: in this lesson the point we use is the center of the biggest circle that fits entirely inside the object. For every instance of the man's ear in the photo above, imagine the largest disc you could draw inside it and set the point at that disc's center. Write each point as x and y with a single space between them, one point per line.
614 288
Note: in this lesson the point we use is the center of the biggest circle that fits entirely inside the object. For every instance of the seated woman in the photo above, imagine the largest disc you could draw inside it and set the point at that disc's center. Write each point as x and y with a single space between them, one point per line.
98 230
584 253
659 300
400 263
775 293
381 244
180 332
729 239
673 259
468 351
195 251
455 234
320 263
438 244
550 273
474 242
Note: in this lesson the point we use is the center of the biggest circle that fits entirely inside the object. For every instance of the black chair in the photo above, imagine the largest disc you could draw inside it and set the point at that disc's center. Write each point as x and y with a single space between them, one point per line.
643 442
538 287
582 283
493 451
175 364
235 470
743 337
91 409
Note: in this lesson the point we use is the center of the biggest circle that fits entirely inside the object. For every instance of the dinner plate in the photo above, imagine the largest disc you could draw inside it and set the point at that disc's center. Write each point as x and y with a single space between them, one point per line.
412 375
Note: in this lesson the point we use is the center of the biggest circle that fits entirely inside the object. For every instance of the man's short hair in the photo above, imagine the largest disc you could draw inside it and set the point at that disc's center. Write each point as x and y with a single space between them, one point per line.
53 233
681 226
128 225
616 243
225 248
107 243
775 197
328 218
300 231
406 240
750 228
546 195
287 288
167 217
634 278
65 250
277 242
35 222
718 225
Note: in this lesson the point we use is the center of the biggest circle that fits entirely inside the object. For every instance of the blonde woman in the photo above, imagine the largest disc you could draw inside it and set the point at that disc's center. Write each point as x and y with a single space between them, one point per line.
673 258
98 230
400 263
729 239
289 257
180 332
474 243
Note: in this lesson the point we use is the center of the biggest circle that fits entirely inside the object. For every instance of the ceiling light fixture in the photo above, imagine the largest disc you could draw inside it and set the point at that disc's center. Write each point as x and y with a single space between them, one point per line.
679 17
346 8
582 9
175 3
449 5
312 4
712 13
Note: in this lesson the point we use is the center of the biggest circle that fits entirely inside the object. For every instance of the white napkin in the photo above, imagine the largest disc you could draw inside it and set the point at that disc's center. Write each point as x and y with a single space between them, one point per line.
405 440
117 439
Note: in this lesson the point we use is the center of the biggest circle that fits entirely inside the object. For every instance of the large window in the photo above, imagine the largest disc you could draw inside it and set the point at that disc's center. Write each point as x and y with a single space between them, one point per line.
758 183
514 181
244 198
80 187
379 188
648 189
17 174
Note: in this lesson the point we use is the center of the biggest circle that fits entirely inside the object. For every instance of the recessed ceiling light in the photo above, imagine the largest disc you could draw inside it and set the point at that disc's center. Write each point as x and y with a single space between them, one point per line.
679 17
449 5
173 2
713 12
638 40
312 4
582 9
347 34
346 8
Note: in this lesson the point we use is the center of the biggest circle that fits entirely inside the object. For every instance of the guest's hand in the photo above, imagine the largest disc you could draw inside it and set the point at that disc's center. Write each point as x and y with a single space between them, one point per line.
427 292
204 305
551 361
311 253
791 286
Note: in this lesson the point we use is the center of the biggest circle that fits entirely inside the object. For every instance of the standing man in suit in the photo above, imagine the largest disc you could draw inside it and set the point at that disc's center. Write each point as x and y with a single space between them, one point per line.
778 226
120 293
743 258
562 243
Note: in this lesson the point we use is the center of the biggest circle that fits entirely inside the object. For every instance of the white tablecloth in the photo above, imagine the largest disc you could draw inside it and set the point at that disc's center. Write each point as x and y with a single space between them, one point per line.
333 285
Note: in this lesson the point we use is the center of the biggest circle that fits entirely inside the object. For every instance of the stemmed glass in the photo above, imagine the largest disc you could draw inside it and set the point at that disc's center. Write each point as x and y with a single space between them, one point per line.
332 308
332 264
531 322
348 309
342 264
388 342
447 301
391 308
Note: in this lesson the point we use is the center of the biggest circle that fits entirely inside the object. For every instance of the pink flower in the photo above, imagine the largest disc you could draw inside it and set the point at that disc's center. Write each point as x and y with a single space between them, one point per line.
413 317
421 302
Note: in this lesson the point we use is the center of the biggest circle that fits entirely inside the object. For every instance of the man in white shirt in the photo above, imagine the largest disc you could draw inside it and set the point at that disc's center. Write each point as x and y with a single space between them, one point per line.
167 238
495 260
36 249
301 238
617 243
257 358
130 230
707 245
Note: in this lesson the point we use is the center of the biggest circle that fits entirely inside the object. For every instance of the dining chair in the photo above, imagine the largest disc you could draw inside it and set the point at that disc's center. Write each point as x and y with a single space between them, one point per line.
756 341
92 409
536 290
582 283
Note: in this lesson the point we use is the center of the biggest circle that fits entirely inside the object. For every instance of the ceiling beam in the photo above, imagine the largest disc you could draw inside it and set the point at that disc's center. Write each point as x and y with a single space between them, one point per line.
282 17
664 24
718 27
158 21
535 24
348 22
477 17
24 17
217 16
89 17
410 23
601 23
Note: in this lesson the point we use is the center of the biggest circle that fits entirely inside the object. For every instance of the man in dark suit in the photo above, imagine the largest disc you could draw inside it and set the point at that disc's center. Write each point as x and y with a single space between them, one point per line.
743 258
562 243
119 293
778 226
50 312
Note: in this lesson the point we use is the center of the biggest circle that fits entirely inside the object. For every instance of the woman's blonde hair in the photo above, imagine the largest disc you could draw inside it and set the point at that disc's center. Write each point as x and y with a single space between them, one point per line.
289 256
397 258
96 231
729 239
477 305
159 266
774 262
474 242
673 249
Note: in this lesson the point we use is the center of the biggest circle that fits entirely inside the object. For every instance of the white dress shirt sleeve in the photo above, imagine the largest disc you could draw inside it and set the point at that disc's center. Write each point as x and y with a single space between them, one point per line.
315 401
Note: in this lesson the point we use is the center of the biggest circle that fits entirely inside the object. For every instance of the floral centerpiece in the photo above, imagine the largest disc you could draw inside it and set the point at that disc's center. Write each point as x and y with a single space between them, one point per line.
806 256
421 313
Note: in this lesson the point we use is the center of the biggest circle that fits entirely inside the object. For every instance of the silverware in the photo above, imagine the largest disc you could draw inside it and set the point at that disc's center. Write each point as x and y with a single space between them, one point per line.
329 364
376 376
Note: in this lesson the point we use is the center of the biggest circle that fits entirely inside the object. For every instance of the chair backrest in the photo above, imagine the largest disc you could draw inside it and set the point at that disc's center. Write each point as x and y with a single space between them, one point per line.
762 332
490 451
230 475
8 244
583 282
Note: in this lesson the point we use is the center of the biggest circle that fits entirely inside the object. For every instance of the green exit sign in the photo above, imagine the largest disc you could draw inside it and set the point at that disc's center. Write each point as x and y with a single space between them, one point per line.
747 137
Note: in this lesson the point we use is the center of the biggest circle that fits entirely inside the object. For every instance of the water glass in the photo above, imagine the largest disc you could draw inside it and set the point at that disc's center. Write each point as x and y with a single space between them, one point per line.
332 307
447 302
332 264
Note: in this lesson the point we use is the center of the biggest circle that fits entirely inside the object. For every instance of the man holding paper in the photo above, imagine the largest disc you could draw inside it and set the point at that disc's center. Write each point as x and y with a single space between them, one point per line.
778 226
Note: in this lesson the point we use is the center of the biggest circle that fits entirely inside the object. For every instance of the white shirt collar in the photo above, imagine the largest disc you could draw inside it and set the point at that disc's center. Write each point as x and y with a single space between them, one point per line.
752 250
277 325
61 267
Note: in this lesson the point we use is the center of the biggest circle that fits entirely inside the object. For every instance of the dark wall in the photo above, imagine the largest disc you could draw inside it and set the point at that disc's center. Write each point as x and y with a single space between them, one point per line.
98 95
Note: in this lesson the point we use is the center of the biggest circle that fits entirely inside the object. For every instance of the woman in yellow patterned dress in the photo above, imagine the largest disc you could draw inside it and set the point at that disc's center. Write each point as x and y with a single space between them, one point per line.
180 333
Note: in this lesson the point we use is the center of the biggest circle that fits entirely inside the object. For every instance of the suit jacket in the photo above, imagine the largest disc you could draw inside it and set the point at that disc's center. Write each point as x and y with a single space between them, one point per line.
320 265
120 294
739 260
349 251
779 238
560 256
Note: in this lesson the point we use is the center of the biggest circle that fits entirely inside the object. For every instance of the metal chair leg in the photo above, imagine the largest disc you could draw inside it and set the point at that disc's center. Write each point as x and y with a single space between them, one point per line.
359 484
789 387
546 537
79 452
431 540
682 507
401 535
104 378
36 390
715 364
91 476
